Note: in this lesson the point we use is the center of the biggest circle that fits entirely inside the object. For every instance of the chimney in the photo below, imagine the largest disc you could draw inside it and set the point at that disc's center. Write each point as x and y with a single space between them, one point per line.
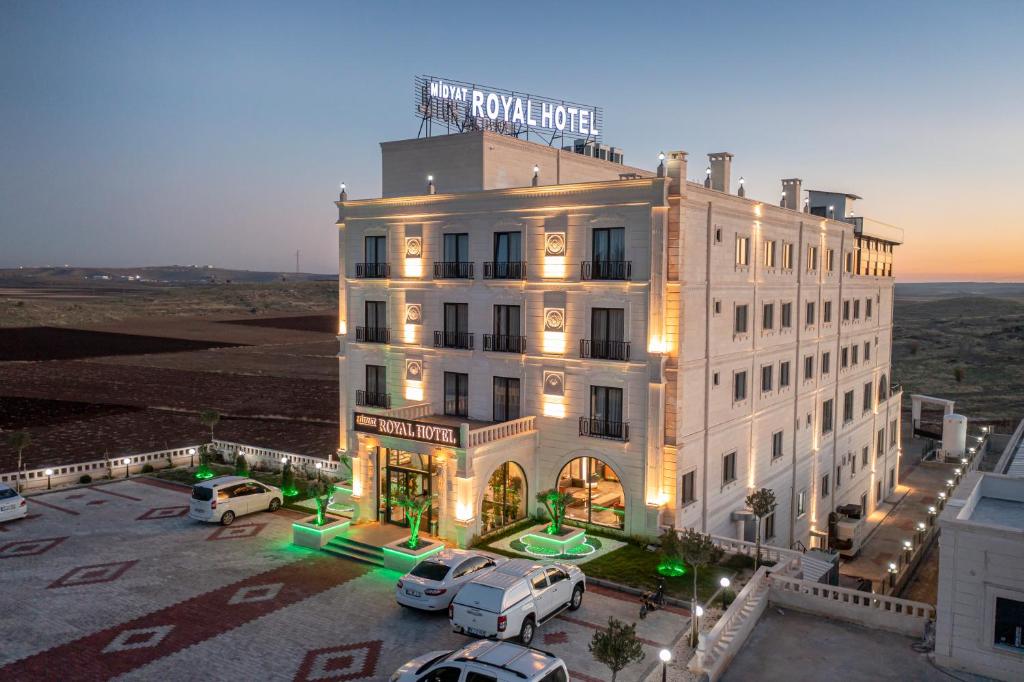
791 193
676 171
721 165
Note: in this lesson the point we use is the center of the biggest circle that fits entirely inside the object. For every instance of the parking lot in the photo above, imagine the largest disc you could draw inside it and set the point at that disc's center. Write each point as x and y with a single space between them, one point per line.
116 581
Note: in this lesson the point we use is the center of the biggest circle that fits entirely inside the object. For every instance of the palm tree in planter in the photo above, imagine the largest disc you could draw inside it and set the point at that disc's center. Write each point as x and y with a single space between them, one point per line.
555 503
288 488
19 440
414 507
698 550
320 490
204 471
761 503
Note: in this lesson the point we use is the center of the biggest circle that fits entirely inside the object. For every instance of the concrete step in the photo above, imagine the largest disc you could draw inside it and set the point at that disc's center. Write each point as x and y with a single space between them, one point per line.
358 551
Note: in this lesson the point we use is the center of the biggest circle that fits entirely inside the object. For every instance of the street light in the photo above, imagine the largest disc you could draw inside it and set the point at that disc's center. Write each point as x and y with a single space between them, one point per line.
48 472
127 461
191 457
724 582
892 575
665 655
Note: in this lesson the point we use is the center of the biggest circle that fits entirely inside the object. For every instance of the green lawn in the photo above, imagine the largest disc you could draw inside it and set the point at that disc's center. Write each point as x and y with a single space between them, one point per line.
187 475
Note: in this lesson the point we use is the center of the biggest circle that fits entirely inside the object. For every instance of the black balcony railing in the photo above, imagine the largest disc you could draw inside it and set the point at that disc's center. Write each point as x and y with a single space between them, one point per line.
373 270
601 349
446 339
368 399
373 334
606 269
453 269
604 428
515 269
504 343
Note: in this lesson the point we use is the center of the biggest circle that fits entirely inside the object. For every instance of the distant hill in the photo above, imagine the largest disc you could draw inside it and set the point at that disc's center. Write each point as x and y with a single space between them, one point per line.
162 274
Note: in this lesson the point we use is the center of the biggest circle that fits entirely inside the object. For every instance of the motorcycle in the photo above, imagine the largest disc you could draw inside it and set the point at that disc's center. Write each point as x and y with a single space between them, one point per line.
652 601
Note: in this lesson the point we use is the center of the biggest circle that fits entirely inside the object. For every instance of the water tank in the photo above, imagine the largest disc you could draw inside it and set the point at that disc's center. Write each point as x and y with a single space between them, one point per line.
954 436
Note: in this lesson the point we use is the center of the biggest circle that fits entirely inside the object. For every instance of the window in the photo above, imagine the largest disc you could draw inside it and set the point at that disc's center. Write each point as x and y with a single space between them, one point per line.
742 250
456 327
507 336
786 316
607 332
739 386
846 311
856 309
848 266
766 378
880 442
892 478
810 313
787 255
777 444
848 406
506 399
714 378
812 258
844 357
718 306
688 494
456 248
826 312
768 316
769 254
855 353
376 319
456 394
740 326
830 260
826 416
867 397
826 362
376 384
867 351
609 253
808 367
878 491
824 486
508 256
853 466
892 433
375 249
445 674
784 374
606 411
718 235
864 456
769 526
1008 632
729 468
867 308
801 503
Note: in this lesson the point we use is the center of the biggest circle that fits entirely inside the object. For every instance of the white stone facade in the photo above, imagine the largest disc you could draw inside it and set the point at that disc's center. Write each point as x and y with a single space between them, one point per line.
679 306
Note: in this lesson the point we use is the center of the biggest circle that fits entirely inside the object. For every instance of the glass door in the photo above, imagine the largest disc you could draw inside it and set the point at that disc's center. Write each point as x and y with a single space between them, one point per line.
404 473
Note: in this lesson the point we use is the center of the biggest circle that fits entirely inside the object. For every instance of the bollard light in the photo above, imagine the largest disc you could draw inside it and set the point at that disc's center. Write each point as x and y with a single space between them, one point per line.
699 611
191 456
665 655
127 461
48 472
921 527
724 582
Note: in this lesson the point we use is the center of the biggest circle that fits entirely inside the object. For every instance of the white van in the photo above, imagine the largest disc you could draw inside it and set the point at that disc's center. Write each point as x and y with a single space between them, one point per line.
225 498
515 598
487 660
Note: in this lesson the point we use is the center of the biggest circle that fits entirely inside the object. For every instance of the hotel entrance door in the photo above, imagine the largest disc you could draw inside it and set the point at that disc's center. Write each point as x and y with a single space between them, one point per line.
403 473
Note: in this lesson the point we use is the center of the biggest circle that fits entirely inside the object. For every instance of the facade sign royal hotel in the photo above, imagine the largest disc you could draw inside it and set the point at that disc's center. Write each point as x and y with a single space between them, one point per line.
404 428
466 106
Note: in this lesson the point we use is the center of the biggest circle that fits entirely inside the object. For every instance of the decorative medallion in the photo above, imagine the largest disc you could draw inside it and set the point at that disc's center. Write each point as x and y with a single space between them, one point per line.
554 319
414 370
413 313
554 383
554 244
413 247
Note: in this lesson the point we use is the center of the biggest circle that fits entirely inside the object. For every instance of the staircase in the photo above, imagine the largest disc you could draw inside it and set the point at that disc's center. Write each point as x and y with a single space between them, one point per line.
749 613
357 551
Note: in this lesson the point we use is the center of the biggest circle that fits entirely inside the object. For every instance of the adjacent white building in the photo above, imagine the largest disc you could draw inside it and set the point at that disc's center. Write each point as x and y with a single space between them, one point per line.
533 318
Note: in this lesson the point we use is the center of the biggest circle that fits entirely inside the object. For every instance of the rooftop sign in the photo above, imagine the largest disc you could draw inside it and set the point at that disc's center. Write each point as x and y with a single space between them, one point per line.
425 432
466 106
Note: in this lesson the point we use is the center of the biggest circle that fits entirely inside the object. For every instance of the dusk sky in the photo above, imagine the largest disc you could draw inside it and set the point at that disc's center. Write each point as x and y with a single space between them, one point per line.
146 133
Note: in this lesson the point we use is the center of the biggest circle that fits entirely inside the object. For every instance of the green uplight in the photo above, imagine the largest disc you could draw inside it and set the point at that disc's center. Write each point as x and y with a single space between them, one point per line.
408 555
671 569
203 473
290 492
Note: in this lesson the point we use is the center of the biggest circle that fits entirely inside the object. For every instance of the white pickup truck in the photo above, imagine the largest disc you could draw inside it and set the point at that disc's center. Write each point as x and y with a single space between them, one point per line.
515 598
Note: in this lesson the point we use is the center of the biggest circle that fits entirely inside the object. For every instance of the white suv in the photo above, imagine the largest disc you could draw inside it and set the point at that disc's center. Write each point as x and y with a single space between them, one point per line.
484 661
225 498
513 599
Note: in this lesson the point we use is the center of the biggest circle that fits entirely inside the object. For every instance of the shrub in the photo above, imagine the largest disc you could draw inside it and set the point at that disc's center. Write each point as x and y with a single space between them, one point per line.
241 466
147 468
85 478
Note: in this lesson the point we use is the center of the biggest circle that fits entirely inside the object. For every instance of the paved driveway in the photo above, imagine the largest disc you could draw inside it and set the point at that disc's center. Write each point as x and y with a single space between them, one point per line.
115 581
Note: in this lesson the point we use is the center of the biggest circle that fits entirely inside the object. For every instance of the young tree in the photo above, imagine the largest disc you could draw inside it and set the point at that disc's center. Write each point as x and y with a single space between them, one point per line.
288 480
414 506
670 561
698 550
761 503
555 503
19 440
241 466
617 647
209 419
320 489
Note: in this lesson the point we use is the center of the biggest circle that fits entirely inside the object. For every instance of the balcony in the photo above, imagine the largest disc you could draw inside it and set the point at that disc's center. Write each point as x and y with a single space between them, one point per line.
373 270
373 334
606 270
504 343
505 270
603 428
601 349
446 339
368 399
453 270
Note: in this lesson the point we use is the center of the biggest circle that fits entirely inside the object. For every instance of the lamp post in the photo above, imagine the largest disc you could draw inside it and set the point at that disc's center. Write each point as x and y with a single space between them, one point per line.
724 582
127 461
665 655
942 499
892 575
48 472
191 457
921 529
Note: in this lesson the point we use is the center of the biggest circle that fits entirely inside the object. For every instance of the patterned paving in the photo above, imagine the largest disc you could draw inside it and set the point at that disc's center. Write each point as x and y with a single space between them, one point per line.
162 513
92 574
237 531
24 548
345 662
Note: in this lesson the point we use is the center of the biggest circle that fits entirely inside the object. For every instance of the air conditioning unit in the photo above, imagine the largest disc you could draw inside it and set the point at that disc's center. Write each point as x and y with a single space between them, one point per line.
847 530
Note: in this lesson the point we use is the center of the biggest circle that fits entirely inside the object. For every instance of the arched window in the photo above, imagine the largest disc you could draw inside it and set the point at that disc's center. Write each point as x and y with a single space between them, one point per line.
505 497
883 388
596 492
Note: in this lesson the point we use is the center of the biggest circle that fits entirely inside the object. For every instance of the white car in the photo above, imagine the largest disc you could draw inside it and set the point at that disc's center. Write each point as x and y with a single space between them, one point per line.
12 505
486 660
225 498
433 583
515 598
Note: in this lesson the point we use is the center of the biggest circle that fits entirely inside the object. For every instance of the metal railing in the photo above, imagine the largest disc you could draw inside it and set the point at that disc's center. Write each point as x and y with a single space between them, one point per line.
606 269
604 428
373 334
504 343
602 349
515 269
446 339
373 270
453 270
369 399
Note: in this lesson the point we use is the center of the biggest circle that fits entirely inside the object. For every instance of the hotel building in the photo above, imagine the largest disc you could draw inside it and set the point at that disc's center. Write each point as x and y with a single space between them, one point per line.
533 317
